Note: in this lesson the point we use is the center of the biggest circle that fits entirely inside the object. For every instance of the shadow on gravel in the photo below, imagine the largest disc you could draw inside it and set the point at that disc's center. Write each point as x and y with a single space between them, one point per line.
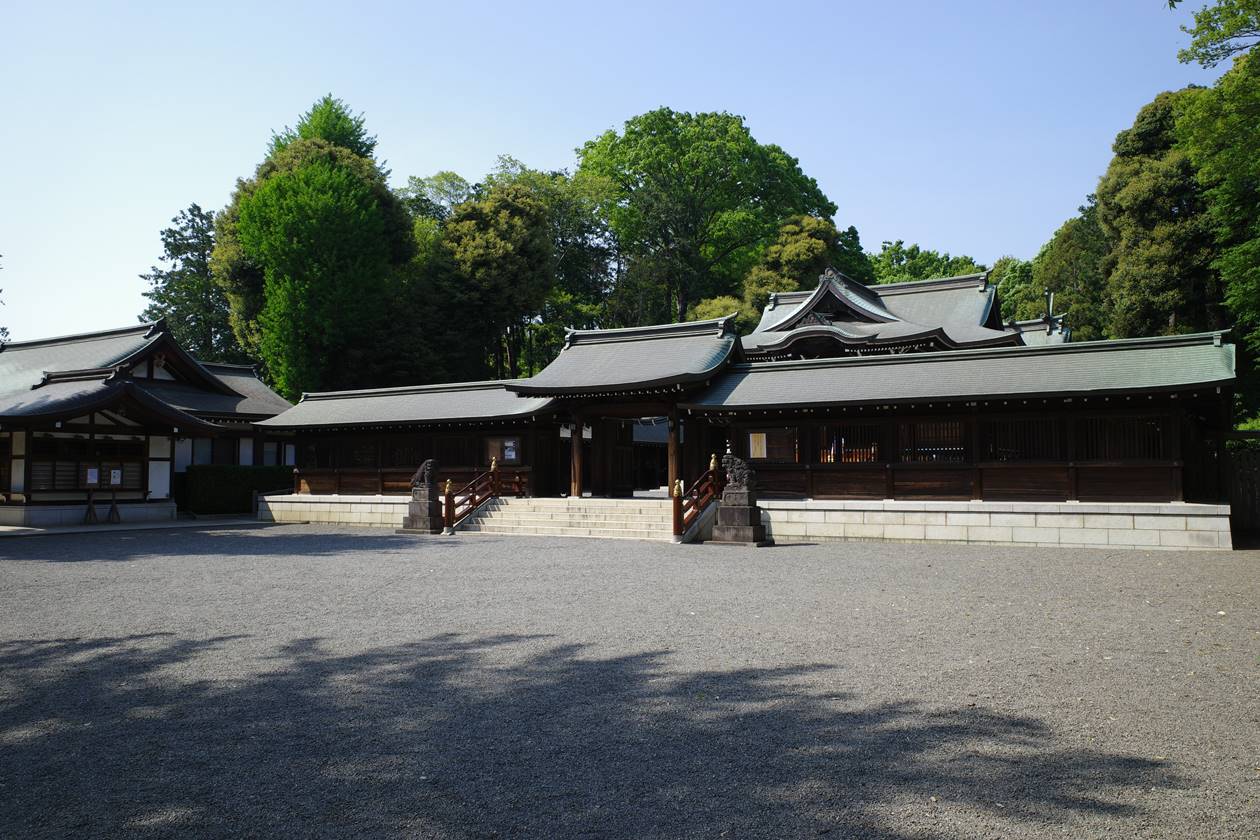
504 737
255 541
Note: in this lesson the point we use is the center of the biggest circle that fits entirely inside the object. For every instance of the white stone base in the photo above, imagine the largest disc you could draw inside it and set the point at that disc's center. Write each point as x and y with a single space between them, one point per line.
52 516
377 511
1076 524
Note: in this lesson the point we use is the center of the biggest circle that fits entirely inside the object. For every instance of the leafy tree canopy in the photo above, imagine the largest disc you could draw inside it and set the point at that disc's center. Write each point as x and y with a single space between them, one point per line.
184 292
897 262
501 247
1152 209
692 198
326 250
242 277
437 195
1219 128
330 120
1223 29
1071 266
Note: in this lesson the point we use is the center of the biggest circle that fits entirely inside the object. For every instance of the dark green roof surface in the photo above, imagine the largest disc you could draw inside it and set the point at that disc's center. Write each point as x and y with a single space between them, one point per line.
53 377
460 401
1098 367
637 359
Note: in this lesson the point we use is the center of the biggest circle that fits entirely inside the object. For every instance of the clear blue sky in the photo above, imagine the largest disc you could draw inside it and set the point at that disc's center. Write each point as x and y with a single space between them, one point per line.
972 127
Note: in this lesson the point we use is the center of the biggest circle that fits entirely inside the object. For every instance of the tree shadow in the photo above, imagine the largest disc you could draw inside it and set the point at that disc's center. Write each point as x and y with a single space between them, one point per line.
504 736
264 540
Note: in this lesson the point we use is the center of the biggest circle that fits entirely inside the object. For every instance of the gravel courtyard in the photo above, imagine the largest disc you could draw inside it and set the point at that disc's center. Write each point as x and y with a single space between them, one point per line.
325 682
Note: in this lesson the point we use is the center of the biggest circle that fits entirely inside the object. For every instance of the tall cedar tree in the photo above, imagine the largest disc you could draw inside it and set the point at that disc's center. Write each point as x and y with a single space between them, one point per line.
1153 210
312 252
184 292
692 200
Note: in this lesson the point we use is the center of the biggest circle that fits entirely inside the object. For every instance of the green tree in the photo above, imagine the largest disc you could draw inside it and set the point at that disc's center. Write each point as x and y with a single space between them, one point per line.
896 262
581 256
716 307
437 195
1223 29
311 253
1013 279
329 119
692 199
1219 128
501 248
1071 266
184 292
849 259
1152 209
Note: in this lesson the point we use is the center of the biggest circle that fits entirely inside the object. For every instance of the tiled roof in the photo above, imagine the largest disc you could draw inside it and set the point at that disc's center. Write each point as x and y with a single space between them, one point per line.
462 401
1096 367
639 359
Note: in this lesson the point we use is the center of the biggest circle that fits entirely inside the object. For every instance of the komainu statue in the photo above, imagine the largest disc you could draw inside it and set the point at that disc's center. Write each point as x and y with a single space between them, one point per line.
426 476
739 476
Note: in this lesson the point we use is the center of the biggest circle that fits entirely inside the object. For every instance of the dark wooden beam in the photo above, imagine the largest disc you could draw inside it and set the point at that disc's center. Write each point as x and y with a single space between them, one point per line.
575 458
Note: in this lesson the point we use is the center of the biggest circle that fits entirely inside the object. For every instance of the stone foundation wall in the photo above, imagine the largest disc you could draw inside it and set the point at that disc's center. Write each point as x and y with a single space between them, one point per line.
52 516
1129 525
379 511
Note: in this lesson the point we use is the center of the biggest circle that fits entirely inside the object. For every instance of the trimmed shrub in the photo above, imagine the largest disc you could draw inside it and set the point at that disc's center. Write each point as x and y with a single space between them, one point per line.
220 488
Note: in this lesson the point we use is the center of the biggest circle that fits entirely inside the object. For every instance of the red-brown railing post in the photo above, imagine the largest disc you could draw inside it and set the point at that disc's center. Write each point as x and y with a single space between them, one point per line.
450 505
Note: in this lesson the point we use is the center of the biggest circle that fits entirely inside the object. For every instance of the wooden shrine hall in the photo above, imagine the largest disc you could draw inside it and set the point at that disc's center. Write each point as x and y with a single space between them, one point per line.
903 392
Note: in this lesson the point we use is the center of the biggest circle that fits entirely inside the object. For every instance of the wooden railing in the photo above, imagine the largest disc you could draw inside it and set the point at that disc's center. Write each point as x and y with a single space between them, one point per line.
390 481
491 484
690 503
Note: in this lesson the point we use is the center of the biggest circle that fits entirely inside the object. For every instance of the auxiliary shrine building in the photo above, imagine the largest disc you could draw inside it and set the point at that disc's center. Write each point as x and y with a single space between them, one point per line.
112 418
907 409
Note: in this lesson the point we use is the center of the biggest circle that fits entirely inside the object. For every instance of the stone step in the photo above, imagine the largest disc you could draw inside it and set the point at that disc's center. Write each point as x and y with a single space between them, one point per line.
557 531
593 503
592 518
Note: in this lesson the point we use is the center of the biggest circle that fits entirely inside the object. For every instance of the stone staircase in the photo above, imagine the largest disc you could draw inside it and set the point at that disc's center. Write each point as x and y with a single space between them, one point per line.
625 519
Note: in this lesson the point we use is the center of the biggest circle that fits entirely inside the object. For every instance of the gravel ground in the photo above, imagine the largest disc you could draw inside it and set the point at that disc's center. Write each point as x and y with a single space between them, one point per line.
325 682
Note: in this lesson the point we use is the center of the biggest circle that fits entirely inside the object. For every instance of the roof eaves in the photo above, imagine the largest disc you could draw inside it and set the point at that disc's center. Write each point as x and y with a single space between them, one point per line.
981 353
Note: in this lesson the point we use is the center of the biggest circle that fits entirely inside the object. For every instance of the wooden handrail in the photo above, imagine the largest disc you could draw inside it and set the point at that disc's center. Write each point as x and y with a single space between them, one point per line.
459 504
689 504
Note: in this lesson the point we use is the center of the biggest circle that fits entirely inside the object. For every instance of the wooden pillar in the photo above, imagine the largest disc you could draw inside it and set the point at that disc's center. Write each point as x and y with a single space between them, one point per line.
672 448
575 458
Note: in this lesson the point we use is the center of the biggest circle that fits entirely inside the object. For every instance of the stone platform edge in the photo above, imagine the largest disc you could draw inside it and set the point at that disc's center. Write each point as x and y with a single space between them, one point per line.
377 511
1075 524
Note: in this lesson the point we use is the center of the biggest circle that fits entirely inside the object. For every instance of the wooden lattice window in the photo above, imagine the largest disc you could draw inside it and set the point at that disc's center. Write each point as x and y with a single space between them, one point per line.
932 442
1021 439
1120 438
849 443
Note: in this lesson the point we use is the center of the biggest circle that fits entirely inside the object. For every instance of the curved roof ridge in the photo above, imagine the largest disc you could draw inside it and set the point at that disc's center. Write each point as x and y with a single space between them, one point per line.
436 387
931 284
1102 345
146 328
676 330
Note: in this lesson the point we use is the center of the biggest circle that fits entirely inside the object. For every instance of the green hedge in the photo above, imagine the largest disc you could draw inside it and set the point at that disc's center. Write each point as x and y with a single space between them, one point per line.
216 488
